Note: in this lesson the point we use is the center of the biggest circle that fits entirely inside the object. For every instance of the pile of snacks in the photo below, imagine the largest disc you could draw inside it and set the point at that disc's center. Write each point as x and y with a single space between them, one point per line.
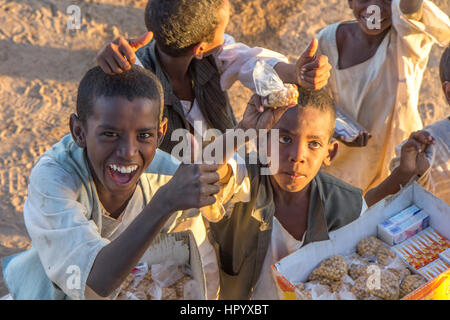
164 272
373 272
170 283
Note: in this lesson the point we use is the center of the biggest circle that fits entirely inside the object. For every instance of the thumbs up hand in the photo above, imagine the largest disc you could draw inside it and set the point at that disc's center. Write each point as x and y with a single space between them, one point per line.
119 55
313 71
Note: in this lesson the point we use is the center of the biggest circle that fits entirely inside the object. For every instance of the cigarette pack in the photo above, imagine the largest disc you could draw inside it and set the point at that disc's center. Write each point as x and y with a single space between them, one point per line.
400 217
445 256
422 249
399 232
433 269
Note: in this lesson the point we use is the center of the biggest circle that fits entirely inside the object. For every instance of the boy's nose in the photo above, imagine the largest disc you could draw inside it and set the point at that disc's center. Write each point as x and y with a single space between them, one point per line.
298 154
127 148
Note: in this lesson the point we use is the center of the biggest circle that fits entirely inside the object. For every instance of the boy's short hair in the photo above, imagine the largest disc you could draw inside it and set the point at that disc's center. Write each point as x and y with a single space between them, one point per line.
318 99
178 25
444 66
134 83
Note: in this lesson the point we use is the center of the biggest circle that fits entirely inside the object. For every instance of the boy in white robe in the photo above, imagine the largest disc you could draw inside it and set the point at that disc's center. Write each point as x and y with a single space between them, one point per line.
376 76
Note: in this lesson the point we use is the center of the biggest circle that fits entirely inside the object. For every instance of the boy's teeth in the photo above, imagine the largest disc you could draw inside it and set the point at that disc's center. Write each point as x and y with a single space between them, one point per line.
123 169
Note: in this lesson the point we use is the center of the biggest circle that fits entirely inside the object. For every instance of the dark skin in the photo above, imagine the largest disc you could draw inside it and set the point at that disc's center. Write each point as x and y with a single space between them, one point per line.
356 42
305 145
126 134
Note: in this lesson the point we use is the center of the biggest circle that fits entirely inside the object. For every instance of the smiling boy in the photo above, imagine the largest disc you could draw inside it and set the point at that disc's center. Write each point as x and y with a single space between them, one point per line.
265 217
91 205
376 77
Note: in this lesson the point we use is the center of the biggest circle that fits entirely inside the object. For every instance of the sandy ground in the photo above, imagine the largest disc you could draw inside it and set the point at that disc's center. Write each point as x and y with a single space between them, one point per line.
42 62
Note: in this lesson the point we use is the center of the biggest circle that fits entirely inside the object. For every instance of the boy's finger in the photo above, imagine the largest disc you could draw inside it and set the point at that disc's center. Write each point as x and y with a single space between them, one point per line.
127 51
209 167
209 189
209 177
104 65
113 65
120 60
311 50
316 78
136 44
207 201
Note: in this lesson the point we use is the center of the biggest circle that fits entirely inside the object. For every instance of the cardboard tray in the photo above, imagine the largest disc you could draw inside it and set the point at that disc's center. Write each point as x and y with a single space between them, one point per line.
296 267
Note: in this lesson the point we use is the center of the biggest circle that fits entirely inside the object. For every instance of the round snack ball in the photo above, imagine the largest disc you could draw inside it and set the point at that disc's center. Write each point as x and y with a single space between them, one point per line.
359 289
300 286
385 256
169 294
401 273
334 268
368 246
357 270
411 283
389 288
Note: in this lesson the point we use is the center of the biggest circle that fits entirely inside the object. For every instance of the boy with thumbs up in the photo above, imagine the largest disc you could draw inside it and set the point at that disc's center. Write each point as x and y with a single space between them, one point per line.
197 62
378 63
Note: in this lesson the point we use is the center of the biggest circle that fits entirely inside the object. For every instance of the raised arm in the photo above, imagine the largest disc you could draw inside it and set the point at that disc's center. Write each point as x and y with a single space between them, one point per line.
413 162
192 186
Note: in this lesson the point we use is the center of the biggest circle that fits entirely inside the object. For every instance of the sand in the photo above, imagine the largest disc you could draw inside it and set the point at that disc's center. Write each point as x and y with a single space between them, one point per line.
42 62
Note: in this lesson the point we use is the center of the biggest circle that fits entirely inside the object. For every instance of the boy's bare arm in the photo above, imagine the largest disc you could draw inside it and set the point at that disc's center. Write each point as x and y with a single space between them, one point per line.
413 162
193 186
410 6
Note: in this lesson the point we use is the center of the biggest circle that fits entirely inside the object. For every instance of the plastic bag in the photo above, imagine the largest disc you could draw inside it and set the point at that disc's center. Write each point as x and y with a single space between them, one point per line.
271 88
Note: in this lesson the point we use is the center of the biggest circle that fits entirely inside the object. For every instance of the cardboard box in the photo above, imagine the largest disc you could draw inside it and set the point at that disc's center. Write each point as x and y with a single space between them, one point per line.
436 289
296 267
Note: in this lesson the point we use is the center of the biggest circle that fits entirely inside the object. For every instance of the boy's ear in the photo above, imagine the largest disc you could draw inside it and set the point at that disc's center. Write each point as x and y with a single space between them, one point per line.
162 130
446 88
199 50
77 130
333 147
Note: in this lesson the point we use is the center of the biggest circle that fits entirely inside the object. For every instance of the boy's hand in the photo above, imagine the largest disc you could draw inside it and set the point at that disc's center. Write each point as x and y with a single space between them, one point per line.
119 55
192 186
256 116
313 71
361 141
413 159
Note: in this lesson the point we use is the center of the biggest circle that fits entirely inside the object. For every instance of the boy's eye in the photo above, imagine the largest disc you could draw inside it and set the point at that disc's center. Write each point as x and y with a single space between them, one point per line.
145 135
110 134
284 139
315 145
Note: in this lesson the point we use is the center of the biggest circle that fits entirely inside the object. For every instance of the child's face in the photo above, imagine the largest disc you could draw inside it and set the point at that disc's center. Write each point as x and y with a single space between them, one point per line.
304 146
219 36
361 14
121 138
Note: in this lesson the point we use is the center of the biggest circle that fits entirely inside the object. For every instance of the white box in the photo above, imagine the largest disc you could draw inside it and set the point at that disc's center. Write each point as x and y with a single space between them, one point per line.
296 267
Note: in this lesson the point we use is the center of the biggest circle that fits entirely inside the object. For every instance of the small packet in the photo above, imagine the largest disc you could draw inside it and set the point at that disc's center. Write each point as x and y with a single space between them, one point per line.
347 127
271 88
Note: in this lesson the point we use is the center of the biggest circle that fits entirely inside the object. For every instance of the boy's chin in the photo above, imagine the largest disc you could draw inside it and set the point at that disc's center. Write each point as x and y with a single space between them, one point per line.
373 32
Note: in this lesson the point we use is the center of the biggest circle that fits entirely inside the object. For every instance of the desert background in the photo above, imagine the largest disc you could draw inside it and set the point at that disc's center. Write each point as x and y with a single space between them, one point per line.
42 61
